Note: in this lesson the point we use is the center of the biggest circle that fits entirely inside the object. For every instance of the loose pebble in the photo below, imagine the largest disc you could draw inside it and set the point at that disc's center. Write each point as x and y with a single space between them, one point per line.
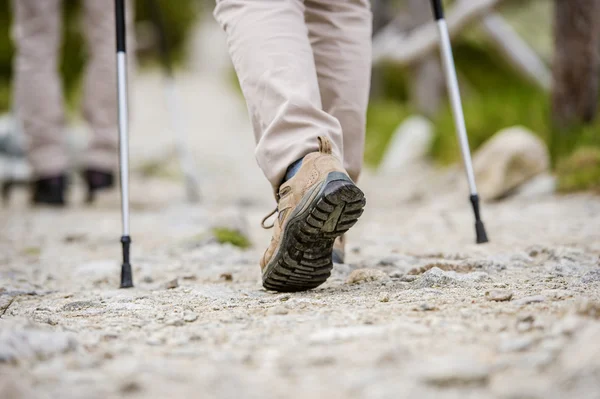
529 299
384 297
499 295
366 275
169 285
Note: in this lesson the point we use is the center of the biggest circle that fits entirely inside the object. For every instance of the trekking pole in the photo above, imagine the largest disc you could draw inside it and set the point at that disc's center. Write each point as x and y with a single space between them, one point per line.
122 101
185 159
457 112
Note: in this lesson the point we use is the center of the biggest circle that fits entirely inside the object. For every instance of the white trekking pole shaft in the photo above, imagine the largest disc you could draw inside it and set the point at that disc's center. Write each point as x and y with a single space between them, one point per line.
457 112
186 161
122 102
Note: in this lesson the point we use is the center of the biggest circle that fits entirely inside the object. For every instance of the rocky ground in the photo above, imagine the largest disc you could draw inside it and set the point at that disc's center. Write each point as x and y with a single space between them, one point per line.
417 311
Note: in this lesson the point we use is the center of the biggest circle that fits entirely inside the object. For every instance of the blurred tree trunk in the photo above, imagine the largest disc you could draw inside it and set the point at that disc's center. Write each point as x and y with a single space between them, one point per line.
576 62
427 83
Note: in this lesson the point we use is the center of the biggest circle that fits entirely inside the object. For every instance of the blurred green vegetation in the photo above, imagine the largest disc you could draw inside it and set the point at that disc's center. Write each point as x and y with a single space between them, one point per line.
494 97
580 170
179 17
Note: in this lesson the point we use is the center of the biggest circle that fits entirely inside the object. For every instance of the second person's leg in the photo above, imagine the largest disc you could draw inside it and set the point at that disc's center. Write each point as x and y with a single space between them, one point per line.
100 88
38 94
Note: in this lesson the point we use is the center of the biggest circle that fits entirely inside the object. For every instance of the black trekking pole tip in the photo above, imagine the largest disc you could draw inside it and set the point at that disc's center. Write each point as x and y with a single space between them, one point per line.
479 227
480 232
126 276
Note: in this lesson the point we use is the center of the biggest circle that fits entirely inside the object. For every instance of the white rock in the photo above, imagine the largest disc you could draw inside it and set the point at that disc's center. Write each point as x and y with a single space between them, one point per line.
436 277
499 295
410 142
190 317
454 372
510 158
539 186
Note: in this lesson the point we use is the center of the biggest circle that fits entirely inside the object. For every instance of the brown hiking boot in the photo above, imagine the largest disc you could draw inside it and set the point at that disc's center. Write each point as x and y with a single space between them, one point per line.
317 205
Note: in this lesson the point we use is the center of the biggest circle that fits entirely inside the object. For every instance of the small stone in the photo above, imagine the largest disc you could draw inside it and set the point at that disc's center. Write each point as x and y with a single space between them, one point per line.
51 321
359 276
177 322
155 341
518 344
384 296
130 387
226 277
425 307
589 308
284 297
591 276
169 285
525 323
499 295
278 310
530 299
75 237
147 279
408 278
396 274
454 372
190 317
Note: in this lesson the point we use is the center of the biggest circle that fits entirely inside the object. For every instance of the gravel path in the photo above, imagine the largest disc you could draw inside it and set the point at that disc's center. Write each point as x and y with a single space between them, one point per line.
418 311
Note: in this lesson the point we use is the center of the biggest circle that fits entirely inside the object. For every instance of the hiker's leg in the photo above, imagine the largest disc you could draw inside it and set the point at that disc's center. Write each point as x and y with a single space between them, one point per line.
268 43
100 85
37 86
340 35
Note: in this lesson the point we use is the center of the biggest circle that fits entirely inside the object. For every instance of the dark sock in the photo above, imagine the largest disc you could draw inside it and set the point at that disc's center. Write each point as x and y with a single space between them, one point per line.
292 170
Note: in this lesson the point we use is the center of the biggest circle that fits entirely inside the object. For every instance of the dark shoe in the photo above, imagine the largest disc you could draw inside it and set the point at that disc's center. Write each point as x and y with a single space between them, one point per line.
339 250
50 191
97 180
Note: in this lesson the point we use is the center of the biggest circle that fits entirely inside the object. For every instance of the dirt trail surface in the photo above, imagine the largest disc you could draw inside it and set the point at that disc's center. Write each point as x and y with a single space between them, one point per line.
418 311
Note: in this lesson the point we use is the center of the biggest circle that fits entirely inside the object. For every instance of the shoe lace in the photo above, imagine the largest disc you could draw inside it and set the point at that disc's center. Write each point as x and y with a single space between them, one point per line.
270 226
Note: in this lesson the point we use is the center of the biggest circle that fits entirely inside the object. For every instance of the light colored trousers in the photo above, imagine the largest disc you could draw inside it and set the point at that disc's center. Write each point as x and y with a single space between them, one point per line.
37 86
304 67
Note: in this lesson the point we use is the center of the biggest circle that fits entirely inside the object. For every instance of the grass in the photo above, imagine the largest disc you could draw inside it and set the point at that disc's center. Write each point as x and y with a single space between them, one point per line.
229 236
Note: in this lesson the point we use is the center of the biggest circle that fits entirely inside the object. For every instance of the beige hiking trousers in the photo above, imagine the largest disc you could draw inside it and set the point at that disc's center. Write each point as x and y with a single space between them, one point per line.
38 90
304 67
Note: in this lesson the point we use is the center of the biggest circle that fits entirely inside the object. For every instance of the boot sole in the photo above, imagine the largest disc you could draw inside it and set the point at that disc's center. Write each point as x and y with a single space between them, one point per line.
303 259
